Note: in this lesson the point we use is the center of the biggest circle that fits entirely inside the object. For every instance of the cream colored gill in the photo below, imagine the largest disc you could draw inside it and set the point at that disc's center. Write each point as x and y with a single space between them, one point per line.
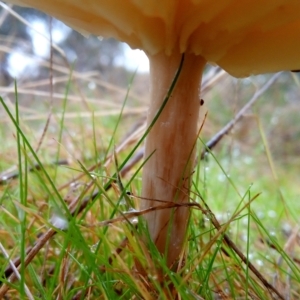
242 36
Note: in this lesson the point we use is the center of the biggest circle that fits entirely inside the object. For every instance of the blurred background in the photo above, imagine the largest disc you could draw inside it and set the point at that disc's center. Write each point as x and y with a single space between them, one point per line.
97 75
71 90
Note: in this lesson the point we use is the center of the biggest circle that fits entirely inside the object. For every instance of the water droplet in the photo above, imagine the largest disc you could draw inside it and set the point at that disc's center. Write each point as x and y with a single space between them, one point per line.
94 247
236 152
221 177
272 214
123 202
59 221
206 154
92 85
244 237
259 262
152 277
4 178
134 219
260 215
248 160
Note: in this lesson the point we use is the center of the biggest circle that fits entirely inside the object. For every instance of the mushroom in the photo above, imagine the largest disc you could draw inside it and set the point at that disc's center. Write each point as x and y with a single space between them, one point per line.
243 37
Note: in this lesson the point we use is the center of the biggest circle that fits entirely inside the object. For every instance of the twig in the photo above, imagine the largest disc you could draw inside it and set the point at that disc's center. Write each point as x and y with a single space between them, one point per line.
31 254
129 215
13 173
51 232
225 130
289 249
42 240
245 260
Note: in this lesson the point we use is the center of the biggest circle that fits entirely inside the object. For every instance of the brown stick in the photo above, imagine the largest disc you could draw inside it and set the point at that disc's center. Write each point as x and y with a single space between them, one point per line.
226 129
245 260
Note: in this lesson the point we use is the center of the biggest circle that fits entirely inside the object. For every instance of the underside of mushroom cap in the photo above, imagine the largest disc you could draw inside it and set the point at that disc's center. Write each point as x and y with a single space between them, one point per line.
243 37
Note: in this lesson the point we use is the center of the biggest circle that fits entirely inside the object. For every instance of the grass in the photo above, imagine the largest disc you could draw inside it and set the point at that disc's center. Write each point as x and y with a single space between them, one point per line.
64 221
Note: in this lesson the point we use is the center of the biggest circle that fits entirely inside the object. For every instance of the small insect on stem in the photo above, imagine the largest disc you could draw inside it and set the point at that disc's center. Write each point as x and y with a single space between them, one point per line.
201 102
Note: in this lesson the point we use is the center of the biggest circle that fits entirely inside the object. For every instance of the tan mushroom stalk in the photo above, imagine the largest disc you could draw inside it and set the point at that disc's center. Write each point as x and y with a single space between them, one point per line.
167 174
242 36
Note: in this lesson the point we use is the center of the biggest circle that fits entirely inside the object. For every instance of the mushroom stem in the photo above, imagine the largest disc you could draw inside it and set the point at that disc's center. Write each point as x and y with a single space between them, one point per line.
170 143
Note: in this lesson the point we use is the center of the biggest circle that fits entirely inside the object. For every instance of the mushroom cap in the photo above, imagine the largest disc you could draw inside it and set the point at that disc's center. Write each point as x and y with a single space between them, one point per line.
244 37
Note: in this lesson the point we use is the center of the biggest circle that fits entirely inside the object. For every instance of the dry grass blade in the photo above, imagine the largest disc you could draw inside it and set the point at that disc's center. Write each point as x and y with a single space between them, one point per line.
16 272
74 210
289 249
245 260
214 76
3 16
31 253
12 173
132 214
107 229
